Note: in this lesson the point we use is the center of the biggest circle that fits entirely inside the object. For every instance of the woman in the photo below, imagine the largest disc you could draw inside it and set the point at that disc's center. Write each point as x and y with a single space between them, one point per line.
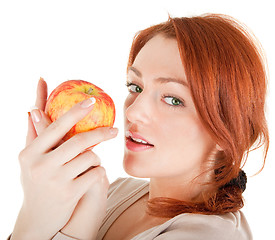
195 109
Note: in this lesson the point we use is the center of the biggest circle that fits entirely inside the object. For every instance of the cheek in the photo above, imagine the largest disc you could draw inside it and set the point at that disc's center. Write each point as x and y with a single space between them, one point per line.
184 129
187 139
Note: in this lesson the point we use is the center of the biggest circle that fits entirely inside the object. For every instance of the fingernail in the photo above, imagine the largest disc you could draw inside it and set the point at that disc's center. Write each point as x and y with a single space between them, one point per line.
113 131
88 102
36 115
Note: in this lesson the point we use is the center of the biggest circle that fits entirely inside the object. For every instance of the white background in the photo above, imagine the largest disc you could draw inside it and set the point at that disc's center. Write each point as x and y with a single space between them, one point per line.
90 40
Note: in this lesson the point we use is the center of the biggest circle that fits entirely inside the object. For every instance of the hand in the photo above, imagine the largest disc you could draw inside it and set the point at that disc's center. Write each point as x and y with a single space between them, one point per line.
56 176
89 212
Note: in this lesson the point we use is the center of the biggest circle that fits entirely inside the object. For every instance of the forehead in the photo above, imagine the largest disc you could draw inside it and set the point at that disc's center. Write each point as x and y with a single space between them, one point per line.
160 56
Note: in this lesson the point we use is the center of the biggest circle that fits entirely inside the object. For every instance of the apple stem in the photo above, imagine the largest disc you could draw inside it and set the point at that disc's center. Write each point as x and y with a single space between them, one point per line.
90 90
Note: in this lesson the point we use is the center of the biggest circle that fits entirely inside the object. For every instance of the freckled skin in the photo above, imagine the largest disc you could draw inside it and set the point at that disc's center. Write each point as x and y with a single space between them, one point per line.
69 93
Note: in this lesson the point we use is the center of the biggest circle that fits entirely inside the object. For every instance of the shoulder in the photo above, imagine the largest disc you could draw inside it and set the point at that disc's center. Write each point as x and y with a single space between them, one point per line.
198 226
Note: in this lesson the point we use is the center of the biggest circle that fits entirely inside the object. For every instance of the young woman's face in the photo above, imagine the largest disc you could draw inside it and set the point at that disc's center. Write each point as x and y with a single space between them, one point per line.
163 134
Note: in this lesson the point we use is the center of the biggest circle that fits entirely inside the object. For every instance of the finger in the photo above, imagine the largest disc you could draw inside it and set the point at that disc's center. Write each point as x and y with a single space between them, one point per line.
41 94
40 120
81 164
31 134
80 142
57 130
87 180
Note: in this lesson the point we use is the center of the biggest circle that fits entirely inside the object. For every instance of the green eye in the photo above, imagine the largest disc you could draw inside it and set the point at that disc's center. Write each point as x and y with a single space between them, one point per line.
134 88
173 101
138 89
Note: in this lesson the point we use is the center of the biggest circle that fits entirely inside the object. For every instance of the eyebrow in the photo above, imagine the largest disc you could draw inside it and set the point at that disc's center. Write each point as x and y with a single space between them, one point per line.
160 79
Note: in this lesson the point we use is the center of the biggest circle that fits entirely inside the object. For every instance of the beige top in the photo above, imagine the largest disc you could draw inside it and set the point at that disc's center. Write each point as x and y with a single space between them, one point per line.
126 191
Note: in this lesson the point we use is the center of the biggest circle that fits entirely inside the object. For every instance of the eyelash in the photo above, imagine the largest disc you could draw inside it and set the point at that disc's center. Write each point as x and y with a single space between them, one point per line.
181 104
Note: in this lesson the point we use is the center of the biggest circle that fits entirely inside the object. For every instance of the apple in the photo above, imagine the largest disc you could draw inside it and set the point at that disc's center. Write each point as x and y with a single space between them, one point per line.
69 93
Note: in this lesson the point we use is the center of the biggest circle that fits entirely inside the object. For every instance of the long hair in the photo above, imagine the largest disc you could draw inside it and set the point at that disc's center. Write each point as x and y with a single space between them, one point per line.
227 74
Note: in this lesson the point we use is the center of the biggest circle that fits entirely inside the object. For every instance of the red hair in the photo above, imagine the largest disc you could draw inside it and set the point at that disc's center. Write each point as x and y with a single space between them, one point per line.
226 71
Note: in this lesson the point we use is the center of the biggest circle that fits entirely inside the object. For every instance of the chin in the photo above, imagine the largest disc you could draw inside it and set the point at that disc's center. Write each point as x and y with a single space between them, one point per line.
132 168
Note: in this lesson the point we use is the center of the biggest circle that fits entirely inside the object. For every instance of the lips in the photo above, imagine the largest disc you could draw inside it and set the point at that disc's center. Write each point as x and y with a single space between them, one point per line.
136 138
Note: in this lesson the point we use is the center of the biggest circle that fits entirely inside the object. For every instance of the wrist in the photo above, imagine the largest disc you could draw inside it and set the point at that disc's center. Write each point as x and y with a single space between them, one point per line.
22 235
62 236
22 230
83 225
71 233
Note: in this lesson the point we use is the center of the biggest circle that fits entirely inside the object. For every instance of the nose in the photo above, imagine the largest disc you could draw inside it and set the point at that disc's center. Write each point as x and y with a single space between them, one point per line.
138 109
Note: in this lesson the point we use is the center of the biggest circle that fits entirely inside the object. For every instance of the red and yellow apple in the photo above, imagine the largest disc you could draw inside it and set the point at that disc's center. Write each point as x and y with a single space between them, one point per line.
69 93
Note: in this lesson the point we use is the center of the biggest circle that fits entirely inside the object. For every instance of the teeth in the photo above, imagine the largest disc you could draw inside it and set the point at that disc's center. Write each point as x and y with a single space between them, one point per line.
139 140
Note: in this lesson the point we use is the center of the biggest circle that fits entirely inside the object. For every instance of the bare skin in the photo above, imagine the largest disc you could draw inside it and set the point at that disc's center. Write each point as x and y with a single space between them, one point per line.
58 189
160 109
